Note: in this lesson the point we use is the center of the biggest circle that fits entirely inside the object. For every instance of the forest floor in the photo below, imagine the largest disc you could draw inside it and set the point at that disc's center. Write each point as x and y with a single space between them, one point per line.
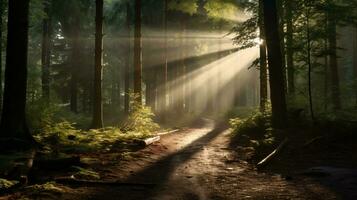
196 163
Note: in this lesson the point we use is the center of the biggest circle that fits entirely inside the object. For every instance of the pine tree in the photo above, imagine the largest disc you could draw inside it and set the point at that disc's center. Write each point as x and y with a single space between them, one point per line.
13 121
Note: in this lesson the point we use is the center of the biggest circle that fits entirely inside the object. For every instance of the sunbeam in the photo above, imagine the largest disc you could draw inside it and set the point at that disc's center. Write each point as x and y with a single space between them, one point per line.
210 81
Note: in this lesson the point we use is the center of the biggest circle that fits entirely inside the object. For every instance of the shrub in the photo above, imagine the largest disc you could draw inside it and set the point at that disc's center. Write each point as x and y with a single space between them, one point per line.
258 123
140 119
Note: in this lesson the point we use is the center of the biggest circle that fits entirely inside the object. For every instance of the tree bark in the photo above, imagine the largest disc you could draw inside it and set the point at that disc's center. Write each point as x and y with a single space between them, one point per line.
150 89
138 53
46 52
289 48
163 89
263 61
333 63
127 63
326 67
166 90
355 66
13 121
98 68
281 22
75 65
308 41
182 68
1 13
276 67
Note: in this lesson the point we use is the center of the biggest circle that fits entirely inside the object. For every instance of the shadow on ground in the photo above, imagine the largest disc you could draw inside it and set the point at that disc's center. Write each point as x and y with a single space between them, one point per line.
160 172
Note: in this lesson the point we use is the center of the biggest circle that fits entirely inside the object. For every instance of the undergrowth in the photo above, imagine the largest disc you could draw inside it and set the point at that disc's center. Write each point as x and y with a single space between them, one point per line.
254 130
140 119
58 131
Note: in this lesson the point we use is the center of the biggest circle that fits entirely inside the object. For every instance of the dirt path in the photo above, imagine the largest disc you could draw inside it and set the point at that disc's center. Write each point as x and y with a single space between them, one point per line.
194 164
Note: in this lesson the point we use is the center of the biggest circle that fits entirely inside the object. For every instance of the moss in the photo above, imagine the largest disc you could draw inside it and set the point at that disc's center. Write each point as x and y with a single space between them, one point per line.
47 187
5 184
64 137
87 174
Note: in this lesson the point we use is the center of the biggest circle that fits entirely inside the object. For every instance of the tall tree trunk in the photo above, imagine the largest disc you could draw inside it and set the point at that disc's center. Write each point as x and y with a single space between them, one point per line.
118 89
85 97
182 68
46 52
276 67
335 80
355 65
308 42
281 20
326 67
98 68
138 53
150 89
1 29
163 89
13 121
263 61
289 47
127 63
75 65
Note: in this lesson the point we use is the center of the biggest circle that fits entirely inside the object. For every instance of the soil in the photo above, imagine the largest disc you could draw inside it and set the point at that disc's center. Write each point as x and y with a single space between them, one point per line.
195 163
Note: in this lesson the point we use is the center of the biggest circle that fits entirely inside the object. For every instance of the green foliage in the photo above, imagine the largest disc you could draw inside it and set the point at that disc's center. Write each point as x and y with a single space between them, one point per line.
49 189
185 6
57 128
5 184
246 33
140 119
221 9
51 117
40 114
258 122
240 112
65 137
255 131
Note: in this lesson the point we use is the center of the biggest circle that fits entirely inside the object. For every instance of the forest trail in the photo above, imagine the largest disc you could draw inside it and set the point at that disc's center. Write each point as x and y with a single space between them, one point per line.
195 163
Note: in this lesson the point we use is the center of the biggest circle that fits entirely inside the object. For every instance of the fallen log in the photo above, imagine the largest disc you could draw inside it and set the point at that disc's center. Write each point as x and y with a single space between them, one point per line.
313 141
74 181
263 163
168 132
152 140
148 141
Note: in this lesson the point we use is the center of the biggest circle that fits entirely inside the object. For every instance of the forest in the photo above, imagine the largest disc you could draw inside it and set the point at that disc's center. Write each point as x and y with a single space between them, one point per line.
178 99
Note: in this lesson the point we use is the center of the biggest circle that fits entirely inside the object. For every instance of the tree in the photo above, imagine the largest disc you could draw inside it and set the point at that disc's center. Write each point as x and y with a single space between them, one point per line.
262 61
1 13
355 65
127 62
71 16
46 52
13 121
98 68
163 90
289 46
308 42
333 64
75 64
138 53
276 69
